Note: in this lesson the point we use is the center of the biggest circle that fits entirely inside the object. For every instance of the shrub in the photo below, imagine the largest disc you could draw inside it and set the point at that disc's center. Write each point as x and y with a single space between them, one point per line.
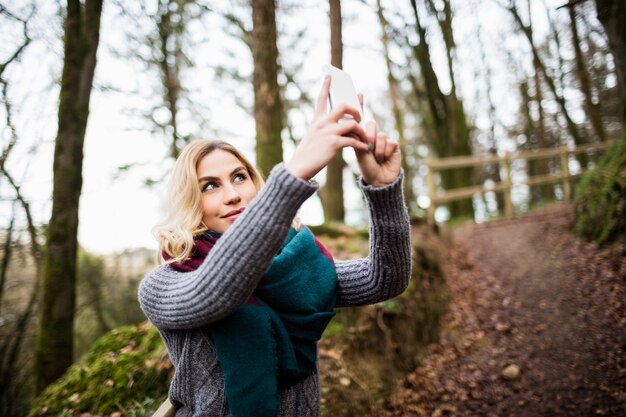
600 203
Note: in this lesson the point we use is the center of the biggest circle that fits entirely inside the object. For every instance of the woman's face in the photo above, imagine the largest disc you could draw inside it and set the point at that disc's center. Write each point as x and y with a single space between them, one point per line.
226 188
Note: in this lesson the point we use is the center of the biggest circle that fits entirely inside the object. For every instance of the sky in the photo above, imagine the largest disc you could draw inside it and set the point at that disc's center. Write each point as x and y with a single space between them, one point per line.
118 212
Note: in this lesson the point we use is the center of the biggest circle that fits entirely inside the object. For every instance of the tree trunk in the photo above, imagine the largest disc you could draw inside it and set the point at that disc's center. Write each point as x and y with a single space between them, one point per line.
267 101
612 15
535 167
53 350
448 116
332 192
434 96
540 166
585 85
170 69
398 117
7 251
492 171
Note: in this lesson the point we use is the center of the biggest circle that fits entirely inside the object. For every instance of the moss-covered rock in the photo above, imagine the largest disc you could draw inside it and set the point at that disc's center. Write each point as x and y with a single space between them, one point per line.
600 203
125 369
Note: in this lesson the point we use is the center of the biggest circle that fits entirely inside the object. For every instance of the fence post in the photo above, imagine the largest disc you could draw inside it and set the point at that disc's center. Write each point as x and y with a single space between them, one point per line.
508 202
430 183
567 188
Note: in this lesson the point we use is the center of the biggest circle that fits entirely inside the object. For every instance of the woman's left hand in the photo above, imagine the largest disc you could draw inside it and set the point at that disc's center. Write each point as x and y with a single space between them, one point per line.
381 165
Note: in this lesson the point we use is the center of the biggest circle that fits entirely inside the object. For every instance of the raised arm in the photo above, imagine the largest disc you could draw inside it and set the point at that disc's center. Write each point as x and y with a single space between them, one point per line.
386 271
230 272
232 269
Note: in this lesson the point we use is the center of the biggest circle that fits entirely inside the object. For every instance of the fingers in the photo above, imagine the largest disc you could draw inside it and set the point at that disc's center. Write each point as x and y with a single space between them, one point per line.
344 141
371 130
391 147
379 147
346 127
360 97
322 98
384 147
340 111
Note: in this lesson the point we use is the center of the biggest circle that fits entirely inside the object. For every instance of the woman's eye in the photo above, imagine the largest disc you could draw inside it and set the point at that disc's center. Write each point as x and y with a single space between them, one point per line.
240 177
209 186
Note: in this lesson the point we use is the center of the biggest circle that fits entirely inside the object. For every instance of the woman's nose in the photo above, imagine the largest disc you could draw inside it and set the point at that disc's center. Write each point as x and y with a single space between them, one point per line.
232 195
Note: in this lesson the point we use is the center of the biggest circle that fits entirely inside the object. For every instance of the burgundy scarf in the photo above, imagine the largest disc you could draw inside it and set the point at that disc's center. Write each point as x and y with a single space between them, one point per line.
203 243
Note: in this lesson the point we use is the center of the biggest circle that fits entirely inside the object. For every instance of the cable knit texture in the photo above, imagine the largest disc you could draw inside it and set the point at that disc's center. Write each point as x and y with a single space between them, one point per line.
182 304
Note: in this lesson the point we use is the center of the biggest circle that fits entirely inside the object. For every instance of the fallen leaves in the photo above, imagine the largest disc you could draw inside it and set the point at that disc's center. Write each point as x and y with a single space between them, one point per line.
536 326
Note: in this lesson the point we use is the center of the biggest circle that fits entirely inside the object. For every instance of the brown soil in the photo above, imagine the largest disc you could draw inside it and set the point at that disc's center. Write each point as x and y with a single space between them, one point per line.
525 292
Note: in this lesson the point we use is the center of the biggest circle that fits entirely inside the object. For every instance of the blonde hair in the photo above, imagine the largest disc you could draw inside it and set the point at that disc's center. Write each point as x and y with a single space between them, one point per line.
183 214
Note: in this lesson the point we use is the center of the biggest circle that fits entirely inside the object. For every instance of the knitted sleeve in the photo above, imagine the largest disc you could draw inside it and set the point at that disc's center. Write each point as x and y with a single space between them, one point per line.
230 272
386 271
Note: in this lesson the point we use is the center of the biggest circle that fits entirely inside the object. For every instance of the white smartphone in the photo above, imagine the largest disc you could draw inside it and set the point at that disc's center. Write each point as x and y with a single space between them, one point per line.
342 89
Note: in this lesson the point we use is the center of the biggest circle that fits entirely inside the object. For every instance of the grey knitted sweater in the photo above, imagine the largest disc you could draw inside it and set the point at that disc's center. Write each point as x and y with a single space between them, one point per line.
181 304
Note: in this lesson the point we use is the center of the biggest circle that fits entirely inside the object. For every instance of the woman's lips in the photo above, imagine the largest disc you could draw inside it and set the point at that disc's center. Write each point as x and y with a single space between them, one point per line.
233 215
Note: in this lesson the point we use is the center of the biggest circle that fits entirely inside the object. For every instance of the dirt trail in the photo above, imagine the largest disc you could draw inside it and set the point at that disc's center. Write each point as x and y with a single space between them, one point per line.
525 292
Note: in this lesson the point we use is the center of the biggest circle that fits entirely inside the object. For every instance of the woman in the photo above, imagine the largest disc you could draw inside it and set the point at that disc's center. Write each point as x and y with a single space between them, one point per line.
245 293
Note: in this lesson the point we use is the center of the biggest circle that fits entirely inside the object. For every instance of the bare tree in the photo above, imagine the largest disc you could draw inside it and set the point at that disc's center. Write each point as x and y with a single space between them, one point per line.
396 109
591 107
171 22
612 14
54 343
538 127
557 42
572 127
159 40
600 65
446 110
14 374
331 194
268 109
491 171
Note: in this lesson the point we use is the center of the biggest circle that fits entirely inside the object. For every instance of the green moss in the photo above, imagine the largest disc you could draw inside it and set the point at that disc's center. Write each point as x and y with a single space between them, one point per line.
125 364
600 202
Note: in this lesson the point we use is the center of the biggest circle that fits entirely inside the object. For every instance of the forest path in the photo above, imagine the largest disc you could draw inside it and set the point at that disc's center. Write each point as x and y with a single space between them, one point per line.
525 293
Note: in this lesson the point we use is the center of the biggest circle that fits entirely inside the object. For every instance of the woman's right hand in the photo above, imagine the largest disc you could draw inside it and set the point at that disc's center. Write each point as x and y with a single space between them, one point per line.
327 134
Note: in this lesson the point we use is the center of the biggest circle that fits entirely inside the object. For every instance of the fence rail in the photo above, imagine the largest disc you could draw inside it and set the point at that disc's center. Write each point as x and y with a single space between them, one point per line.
434 165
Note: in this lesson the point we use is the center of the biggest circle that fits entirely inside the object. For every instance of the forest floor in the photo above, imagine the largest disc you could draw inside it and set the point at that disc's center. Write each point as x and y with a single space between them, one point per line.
536 326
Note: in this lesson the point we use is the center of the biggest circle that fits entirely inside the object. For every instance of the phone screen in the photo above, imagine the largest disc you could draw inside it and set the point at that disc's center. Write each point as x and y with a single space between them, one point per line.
342 89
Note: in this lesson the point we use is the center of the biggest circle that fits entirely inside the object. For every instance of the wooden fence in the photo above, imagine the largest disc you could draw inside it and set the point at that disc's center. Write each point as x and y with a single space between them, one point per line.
434 165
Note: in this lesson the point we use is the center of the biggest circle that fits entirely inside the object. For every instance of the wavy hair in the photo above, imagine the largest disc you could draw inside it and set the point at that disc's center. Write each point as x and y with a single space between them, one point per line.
183 212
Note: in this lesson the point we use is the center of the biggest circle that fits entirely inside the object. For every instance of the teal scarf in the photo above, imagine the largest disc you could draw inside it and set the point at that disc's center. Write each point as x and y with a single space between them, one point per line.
270 341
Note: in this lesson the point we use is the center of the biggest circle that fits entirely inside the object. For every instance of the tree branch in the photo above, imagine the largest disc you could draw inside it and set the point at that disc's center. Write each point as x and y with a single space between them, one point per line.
36 251
245 33
571 3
